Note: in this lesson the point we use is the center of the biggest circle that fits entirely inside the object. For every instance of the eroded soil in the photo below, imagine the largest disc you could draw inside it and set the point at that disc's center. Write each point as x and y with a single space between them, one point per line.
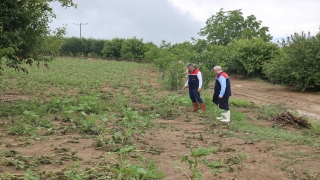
169 140
263 93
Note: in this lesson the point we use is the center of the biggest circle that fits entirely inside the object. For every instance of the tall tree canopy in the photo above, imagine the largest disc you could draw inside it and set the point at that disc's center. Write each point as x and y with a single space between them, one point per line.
24 30
225 26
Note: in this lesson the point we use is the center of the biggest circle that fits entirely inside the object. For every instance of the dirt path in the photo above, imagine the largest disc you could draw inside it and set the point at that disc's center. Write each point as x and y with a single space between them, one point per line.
307 103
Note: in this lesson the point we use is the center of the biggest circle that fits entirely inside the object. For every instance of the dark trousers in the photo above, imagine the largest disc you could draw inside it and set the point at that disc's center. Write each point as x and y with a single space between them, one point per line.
223 103
195 95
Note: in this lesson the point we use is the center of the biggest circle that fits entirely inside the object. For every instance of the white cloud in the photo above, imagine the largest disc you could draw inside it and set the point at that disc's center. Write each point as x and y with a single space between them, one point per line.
283 17
152 20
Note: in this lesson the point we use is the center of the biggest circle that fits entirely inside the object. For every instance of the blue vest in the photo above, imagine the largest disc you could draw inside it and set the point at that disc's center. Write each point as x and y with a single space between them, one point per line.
193 80
217 86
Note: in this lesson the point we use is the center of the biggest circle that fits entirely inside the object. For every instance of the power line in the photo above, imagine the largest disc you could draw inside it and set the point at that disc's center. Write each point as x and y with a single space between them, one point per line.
80 26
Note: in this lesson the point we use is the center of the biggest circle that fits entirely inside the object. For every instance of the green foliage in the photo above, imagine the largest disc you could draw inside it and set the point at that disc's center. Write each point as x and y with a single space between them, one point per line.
176 75
199 45
97 47
21 128
225 26
24 31
198 156
112 48
183 51
73 172
88 42
315 127
205 64
29 175
240 102
125 170
52 45
299 63
152 51
267 112
133 49
247 56
74 45
164 60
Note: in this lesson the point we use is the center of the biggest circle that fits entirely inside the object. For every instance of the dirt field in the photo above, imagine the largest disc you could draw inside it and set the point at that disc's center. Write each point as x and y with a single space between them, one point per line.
308 103
243 158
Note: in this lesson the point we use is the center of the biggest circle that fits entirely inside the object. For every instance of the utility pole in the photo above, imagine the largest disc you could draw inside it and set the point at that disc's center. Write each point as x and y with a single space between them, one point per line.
80 26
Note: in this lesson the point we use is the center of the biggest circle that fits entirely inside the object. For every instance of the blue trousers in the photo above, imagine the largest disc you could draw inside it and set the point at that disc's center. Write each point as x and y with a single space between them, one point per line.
195 95
223 103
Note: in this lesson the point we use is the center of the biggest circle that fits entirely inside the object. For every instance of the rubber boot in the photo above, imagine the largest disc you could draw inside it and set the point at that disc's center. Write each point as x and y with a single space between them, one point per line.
195 106
203 107
222 117
226 116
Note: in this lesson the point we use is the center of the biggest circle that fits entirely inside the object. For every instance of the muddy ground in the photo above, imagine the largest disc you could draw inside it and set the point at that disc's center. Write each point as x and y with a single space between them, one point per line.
307 102
173 139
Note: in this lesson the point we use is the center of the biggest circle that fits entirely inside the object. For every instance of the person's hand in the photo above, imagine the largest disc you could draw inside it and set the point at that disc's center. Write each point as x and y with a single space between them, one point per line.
184 87
199 90
220 97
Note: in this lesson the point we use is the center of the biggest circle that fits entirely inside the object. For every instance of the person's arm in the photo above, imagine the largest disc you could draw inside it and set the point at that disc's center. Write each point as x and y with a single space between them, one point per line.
199 75
223 83
186 84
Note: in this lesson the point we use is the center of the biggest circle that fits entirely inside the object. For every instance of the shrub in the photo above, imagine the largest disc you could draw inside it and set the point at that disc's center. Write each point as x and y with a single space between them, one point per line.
298 64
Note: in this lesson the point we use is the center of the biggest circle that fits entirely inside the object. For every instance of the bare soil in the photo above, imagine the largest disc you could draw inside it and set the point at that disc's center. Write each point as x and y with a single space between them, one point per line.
308 103
174 138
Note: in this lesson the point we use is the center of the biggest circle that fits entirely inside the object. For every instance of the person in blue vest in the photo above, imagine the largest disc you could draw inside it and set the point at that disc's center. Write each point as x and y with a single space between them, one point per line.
195 83
222 92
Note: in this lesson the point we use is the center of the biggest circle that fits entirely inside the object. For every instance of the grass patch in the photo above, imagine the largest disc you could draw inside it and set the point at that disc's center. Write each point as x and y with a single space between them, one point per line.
239 102
267 112
271 134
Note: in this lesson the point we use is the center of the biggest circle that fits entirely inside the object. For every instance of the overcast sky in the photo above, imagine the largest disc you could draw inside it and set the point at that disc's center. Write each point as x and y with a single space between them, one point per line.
178 20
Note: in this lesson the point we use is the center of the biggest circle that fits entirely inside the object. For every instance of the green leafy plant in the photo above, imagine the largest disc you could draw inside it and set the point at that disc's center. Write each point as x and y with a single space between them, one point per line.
125 170
73 172
198 156
30 175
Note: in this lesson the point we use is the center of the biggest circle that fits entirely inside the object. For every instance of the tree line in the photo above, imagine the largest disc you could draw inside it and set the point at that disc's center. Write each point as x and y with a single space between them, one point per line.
241 45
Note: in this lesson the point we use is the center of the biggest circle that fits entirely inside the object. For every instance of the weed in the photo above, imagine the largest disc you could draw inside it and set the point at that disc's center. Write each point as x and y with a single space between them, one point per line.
311 176
235 160
21 128
255 133
125 170
73 172
240 102
30 175
198 156
267 112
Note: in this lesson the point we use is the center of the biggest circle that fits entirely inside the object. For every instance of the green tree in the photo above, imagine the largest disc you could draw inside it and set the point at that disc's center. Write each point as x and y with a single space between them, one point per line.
152 51
97 47
247 56
133 49
74 45
23 30
88 43
199 45
225 26
51 45
176 75
112 48
164 56
298 64
183 51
